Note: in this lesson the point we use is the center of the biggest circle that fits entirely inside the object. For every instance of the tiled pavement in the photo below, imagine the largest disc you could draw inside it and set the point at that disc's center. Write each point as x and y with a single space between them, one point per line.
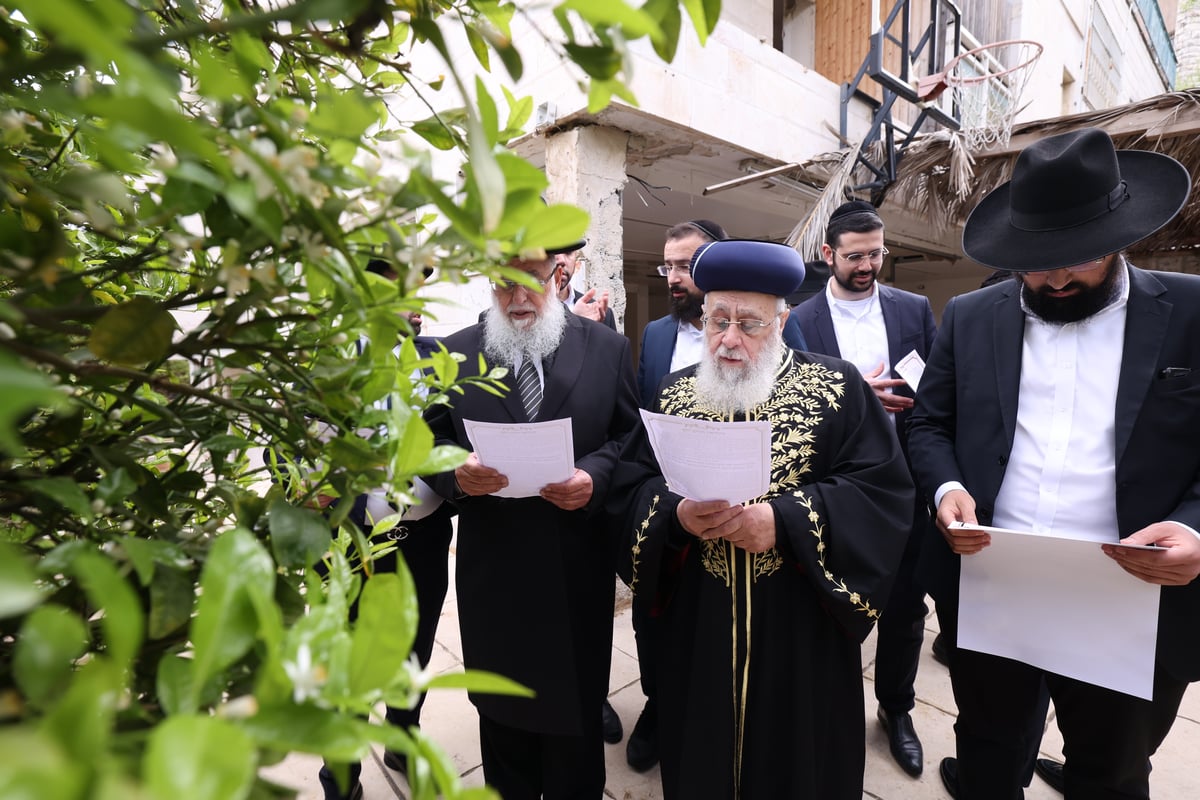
450 719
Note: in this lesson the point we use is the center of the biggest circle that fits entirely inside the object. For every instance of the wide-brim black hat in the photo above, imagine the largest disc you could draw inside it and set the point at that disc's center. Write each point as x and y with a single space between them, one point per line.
1074 198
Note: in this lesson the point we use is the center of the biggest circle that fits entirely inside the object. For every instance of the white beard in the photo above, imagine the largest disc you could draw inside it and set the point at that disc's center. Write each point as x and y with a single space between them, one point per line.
729 390
504 340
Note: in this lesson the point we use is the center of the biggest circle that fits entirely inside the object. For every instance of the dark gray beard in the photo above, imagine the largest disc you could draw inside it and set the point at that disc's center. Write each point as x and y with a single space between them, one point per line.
689 309
503 341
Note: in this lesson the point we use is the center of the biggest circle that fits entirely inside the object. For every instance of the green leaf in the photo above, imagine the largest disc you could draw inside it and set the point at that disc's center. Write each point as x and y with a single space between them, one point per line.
488 117
19 591
218 75
410 439
298 536
172 596
173 684
115 486
598 61
435 131
82 720
478 46
634 23
50 640
133 333
65 492
667 15
199 758
704 14
557 226
479 681
24 390
442 458
122 622
384 631
226 623
519 110
309 729
34 766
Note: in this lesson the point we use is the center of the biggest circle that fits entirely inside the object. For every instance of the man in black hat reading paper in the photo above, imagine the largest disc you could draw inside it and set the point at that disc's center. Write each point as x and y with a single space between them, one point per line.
762 605
1067 402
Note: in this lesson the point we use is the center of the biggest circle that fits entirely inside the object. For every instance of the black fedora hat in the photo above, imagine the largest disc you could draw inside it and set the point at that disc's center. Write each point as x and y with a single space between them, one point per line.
1074 198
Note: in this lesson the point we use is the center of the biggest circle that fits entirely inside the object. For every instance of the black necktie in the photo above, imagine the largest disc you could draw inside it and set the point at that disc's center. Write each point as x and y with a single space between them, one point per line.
530 388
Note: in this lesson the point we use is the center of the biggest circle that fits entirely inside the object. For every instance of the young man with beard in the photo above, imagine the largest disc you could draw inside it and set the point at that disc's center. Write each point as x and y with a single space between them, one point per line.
1066 401
762 606
875 326
535 574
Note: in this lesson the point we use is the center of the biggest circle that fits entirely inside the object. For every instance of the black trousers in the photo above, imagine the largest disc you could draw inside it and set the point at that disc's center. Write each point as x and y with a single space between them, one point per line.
524 765
425 545
901 628
1108 737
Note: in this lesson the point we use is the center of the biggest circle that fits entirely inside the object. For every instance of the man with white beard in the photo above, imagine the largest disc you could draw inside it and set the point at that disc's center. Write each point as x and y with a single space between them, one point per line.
763 604
535 574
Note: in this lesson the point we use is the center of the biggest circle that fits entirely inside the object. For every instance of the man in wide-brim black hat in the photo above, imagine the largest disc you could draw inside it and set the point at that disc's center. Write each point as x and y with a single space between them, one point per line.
1065 402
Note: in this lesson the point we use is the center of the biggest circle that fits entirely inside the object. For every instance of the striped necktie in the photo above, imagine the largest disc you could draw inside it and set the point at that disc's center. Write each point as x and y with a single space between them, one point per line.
530 388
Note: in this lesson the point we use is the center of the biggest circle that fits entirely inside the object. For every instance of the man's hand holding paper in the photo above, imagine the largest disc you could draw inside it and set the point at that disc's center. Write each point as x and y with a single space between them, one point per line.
1174 562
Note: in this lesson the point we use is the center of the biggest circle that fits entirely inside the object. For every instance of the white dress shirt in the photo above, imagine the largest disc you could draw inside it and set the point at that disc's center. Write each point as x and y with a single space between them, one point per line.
689 345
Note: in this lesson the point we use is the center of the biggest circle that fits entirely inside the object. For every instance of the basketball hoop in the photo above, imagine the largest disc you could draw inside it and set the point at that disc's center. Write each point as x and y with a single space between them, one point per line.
986 84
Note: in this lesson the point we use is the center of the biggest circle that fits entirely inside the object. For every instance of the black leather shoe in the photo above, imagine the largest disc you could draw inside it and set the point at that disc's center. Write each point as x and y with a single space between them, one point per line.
1051 772
396 761
948 769
612 730
940 651
903 742
641 752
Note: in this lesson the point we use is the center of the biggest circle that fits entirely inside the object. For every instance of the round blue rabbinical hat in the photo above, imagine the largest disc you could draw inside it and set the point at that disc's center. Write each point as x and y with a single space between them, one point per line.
745 265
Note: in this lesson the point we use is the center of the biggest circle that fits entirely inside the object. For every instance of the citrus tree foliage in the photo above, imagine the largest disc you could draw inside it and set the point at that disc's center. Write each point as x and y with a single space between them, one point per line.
194 361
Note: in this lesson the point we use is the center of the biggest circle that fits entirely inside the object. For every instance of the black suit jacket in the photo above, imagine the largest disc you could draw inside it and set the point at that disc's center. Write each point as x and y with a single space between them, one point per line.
535 583
907 318
966 412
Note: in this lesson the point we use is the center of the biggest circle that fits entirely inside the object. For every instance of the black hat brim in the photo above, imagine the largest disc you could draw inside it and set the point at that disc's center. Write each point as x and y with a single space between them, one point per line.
570 248
1158 187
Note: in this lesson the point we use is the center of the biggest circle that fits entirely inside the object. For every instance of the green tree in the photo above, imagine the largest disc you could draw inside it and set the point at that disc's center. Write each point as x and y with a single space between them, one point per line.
189 192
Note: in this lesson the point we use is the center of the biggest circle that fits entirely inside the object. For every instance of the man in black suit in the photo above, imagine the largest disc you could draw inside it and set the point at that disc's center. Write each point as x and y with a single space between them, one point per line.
875 326
592 304
1067 399
535 574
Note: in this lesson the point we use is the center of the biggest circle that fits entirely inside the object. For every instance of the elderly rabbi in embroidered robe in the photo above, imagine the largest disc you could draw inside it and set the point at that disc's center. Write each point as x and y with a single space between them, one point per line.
764 604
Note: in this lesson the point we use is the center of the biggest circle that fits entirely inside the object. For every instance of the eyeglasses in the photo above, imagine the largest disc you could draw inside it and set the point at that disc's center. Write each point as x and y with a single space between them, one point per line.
666 269
748 327
507 285
875 256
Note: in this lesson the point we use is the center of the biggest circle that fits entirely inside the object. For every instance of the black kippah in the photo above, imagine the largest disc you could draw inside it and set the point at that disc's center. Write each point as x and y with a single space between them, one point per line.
853 207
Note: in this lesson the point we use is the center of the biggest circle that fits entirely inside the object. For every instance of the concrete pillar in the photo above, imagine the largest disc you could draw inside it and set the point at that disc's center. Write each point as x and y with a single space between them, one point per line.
1187 46
586 167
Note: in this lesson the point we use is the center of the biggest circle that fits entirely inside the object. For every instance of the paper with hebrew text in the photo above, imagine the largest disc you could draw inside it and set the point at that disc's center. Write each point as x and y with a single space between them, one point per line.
703 460
530 454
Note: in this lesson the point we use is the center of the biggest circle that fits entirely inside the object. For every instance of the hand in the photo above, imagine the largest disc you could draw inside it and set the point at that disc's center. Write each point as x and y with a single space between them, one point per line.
891 402
573 493
475 479
756 533
1177 564
590 306
958 506
709 519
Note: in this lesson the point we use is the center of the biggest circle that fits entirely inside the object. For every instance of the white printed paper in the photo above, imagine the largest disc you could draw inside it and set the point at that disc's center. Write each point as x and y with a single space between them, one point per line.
911 368
530 454
704 460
